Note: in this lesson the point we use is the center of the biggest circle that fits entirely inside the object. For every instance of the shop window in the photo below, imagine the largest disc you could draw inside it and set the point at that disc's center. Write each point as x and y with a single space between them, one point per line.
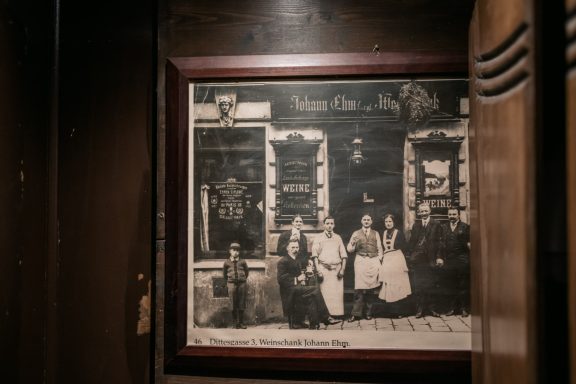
228 191
437 178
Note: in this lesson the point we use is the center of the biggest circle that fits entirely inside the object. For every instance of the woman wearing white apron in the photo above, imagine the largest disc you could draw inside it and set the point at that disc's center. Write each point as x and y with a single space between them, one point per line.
393 272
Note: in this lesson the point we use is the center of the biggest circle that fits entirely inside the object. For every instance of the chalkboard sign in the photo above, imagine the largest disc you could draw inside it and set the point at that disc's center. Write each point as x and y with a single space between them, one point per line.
296 189
234 214
296 186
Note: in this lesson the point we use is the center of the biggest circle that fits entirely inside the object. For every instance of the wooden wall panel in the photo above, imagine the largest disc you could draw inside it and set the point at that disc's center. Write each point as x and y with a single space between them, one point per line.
26 42
105 192
499 21
11 103
571 174
502 140
201 28
517 63
571 101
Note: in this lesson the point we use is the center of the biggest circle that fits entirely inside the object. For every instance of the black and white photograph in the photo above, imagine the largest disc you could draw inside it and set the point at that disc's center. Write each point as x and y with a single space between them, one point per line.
329 214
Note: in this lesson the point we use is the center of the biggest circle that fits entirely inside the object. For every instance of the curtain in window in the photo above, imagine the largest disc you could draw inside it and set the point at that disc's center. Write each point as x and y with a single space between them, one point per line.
204 224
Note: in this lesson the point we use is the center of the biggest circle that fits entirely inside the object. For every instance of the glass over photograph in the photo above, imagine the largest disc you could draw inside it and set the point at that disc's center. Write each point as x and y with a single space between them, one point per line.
329 214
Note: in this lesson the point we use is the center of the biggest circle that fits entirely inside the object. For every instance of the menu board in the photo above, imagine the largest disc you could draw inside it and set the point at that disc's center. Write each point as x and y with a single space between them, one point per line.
296 186
228 201
234 215
296 189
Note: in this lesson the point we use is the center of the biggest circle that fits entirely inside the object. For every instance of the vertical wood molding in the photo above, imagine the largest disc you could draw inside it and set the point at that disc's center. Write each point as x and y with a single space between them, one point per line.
53 260
571 176
571 163
502 136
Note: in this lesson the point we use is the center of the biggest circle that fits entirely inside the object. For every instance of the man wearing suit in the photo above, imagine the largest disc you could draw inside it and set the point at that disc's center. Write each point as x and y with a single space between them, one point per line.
294 234
425 260
297 296
456 249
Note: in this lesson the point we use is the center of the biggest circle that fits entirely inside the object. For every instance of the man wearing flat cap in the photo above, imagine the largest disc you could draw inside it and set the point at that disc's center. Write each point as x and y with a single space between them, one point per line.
235 271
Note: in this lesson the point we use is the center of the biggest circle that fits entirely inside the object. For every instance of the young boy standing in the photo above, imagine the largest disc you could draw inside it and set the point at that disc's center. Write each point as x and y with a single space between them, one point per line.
235 271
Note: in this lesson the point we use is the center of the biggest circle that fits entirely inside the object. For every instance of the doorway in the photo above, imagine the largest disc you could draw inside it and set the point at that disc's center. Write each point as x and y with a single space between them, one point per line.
374 186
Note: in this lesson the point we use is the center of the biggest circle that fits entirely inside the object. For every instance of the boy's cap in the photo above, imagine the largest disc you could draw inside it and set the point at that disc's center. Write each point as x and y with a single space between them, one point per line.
234 246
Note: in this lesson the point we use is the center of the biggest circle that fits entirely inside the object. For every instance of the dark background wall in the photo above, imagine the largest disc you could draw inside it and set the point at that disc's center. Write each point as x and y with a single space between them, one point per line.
26 45
203 28
105 146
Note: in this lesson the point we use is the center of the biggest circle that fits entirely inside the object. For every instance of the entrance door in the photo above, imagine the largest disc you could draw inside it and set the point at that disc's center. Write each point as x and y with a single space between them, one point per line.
374 186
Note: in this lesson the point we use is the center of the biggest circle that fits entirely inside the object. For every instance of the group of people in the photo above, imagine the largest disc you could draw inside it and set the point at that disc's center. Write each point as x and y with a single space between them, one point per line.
301 279
431 269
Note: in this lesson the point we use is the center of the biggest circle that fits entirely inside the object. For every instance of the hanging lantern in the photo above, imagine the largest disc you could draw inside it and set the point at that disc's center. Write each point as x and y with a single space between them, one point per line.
357 158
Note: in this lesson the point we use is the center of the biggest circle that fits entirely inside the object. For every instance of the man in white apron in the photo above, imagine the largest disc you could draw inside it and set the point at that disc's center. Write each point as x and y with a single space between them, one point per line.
329 256
368 247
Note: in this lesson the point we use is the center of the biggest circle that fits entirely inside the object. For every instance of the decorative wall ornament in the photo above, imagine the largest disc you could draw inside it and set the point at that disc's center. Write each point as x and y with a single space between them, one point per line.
226 103
437 134
295 136
415 105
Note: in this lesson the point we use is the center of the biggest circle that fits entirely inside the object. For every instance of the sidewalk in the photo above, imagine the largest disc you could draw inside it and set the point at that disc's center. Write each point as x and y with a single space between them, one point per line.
411 323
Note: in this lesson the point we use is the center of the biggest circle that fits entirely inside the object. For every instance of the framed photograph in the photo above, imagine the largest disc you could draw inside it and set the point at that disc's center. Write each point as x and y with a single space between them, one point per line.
317 210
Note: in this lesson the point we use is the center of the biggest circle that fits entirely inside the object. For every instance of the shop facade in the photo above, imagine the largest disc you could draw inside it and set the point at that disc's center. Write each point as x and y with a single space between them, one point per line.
261 153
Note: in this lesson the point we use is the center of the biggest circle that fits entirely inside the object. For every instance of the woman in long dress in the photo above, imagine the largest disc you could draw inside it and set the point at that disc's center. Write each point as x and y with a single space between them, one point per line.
393 272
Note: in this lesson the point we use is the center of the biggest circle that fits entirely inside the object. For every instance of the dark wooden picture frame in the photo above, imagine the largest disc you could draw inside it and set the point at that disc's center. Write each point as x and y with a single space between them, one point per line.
182 359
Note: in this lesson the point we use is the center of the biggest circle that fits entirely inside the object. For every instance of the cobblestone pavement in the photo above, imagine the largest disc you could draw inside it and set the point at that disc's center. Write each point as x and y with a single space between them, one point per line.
411 323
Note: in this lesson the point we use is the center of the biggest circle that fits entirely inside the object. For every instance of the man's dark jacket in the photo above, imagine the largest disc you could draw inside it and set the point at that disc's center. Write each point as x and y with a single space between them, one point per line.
424 246
287 270
455 244
283 242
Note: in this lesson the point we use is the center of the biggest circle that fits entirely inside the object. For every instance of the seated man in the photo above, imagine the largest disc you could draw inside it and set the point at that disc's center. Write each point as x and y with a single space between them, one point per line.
294 291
